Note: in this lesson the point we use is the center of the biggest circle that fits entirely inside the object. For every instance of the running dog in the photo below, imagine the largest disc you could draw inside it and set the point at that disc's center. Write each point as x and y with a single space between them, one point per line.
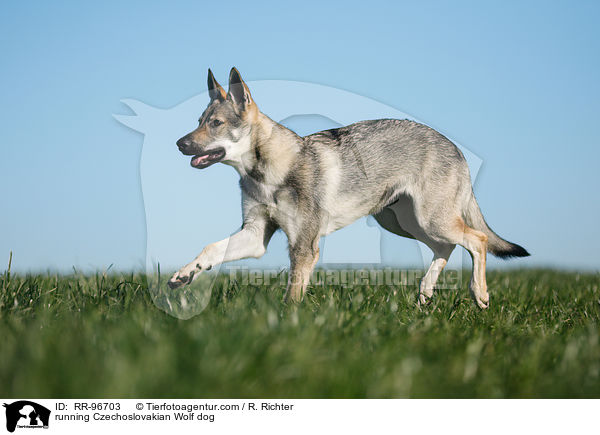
413 180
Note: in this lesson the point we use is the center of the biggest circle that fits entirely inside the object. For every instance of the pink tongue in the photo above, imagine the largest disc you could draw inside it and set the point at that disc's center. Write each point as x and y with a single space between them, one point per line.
198 160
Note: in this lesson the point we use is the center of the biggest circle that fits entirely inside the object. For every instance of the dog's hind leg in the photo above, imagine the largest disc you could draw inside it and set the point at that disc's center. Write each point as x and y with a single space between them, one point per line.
475 242
400 218
440 226
455 231
441 253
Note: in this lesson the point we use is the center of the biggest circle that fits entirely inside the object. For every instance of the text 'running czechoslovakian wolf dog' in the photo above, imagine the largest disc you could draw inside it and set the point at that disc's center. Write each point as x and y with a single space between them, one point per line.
413 180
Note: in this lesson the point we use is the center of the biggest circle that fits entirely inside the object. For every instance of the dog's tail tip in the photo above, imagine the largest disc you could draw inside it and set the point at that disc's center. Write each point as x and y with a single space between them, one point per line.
511 250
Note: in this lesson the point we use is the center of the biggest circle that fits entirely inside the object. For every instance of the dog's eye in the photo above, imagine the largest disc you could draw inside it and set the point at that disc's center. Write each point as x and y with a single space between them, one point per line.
215 122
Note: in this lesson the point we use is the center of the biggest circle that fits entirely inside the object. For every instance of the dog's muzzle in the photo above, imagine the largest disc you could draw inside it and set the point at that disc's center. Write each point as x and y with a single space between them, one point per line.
202 159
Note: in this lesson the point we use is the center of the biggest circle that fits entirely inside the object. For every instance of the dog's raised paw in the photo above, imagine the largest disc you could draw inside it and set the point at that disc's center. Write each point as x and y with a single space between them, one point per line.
173 283
179 280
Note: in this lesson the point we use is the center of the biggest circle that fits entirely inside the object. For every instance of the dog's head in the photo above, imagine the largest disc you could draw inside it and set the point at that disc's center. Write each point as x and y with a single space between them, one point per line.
224 129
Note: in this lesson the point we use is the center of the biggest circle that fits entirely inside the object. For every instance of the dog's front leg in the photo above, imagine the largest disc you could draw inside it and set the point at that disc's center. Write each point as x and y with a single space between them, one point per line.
303 257
250 241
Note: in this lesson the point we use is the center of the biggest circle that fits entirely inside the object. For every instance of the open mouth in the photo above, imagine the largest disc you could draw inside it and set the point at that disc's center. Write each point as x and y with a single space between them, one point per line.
206 159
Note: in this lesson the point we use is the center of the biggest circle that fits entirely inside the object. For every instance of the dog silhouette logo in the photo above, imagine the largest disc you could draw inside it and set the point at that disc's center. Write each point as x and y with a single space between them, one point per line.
26 414
306 107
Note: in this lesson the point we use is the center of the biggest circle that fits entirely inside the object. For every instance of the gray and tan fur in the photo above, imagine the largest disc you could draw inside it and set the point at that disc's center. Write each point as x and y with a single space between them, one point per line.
413 180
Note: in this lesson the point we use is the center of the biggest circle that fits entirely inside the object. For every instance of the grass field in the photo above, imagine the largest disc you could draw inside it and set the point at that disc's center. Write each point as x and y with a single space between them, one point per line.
102 336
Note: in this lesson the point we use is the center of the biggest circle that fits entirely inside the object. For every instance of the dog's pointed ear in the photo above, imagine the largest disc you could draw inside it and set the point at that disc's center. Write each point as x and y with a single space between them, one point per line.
215 90
239 93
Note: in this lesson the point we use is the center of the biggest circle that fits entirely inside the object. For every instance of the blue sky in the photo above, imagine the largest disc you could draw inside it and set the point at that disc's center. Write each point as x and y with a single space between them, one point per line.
514 82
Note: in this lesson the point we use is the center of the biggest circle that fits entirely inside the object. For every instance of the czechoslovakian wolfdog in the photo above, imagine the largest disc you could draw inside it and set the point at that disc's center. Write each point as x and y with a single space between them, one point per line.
413 180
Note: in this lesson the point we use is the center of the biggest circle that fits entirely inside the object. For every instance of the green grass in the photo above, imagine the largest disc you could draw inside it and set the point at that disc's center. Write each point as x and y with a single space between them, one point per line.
102 336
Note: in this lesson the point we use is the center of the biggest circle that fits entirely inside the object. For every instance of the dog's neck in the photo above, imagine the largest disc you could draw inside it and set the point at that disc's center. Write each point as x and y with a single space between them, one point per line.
273 151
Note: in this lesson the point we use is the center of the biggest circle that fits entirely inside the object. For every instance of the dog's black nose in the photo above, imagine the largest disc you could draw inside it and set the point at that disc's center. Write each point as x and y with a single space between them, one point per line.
184 144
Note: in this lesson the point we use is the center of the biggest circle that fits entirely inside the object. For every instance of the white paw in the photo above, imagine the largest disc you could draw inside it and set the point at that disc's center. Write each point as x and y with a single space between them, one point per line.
425 297
481 298
185 275
425 294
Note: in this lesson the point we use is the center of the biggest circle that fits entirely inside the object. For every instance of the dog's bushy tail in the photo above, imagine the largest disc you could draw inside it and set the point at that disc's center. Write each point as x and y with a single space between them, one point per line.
496 244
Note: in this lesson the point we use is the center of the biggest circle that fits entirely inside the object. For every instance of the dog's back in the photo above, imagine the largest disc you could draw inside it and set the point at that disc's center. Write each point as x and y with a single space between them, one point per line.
382 159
